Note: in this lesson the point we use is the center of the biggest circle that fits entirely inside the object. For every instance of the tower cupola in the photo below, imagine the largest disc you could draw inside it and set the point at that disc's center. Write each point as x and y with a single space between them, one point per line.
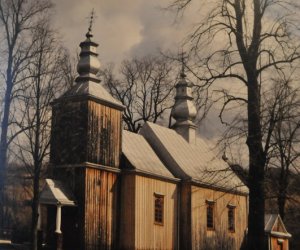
184 110
88 65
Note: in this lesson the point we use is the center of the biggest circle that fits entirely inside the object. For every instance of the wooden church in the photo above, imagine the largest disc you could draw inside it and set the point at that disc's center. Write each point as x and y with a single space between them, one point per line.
112 189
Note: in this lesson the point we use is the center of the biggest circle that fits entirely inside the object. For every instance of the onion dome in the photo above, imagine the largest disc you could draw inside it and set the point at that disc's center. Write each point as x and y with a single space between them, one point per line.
184 107
88 65
184 110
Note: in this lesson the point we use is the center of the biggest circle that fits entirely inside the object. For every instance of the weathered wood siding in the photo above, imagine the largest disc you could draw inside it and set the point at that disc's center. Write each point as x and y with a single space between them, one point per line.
138 214
220 237
104 134
127 216
69 132
100 209
185 237
85 131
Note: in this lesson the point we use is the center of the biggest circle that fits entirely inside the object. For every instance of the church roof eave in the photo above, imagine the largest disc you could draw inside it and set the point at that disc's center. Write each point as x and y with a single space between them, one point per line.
186 160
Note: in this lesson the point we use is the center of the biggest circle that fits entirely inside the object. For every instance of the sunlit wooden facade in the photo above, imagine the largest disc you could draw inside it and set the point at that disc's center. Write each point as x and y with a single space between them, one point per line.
138 229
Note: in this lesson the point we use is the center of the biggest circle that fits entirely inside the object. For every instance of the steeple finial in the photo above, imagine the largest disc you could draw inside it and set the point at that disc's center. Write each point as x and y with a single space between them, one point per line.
88 65
91 22
182 60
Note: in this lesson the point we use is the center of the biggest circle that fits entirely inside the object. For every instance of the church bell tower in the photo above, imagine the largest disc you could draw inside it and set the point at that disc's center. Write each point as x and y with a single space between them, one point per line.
85 154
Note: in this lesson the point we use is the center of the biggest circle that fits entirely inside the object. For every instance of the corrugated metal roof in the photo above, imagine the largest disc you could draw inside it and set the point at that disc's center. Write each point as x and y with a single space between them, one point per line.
186 160
93 89
141 156
55 192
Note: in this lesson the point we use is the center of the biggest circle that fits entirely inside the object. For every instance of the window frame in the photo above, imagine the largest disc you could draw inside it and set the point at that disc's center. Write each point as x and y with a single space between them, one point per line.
231 208
161 209
210 206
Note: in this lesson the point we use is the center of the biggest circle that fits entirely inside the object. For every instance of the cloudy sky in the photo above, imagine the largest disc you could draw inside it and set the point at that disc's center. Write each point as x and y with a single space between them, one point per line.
123 28
127 28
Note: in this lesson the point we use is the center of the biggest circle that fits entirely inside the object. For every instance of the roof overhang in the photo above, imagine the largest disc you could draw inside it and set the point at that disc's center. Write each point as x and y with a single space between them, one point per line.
55 193
280 234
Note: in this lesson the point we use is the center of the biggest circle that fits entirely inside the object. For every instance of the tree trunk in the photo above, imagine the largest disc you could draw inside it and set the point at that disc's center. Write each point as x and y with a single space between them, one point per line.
281 206
35 215
3 159
36 156
257 161
282 192
3 139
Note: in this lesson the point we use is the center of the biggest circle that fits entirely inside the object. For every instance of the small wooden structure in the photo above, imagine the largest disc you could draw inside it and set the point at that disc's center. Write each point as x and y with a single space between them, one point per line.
276 233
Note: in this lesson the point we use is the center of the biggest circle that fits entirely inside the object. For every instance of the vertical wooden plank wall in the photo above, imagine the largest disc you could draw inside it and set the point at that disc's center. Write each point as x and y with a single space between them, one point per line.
127 216
220 235
149 235
100 209
185 216
86 131
68 133
104 135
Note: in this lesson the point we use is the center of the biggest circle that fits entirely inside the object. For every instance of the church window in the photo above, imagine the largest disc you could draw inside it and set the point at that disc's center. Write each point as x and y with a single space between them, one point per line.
231 218
158 209
210 214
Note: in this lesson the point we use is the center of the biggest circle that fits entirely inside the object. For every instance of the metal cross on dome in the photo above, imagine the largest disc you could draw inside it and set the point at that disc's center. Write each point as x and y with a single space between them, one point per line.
92 19
182 59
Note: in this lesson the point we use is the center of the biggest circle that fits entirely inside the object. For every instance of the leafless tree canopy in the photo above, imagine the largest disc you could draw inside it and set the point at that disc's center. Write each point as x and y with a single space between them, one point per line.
45 81
17 19
249 42
145 87
283 109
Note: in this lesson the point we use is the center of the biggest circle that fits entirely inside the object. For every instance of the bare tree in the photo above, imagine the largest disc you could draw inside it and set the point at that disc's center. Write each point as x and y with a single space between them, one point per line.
144 87
285 139
243 39
45 83
17 17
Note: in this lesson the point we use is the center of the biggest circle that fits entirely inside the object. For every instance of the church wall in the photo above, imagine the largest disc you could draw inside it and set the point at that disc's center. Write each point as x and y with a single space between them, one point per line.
104 134
138 228
100 209
85 131
185 216
148 234
220 236
69 132
127 212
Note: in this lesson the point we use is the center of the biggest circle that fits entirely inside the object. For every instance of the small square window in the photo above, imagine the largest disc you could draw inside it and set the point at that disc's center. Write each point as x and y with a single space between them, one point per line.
158 209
